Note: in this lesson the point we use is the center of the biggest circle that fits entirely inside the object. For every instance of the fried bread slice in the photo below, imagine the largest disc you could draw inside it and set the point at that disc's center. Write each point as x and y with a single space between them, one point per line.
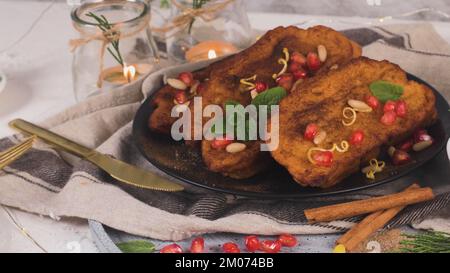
221 83
261 60
160 120
322 101
238 165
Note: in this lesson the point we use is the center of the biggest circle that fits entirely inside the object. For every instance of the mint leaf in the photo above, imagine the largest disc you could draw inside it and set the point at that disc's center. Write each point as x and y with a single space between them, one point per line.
270 97
385 91
136 247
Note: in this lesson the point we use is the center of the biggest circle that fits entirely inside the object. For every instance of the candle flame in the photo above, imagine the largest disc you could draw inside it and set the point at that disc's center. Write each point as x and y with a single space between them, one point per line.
129 72
212 54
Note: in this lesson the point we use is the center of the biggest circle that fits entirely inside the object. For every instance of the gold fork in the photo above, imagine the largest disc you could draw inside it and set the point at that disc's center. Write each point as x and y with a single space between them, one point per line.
13 153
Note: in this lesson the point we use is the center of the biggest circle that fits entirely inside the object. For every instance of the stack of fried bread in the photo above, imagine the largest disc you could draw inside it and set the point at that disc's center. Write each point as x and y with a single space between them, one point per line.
316 98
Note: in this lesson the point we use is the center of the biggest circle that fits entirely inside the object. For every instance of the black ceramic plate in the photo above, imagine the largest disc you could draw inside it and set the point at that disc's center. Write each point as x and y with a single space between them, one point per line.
184 163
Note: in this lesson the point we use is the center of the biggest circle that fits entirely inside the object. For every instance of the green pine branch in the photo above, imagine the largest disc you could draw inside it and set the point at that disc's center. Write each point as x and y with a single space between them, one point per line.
429 242
104 25
196 4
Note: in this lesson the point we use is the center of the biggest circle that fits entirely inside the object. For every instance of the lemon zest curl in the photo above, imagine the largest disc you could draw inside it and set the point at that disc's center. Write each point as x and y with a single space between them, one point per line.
247 82
342 148
351 117
374 167
284 62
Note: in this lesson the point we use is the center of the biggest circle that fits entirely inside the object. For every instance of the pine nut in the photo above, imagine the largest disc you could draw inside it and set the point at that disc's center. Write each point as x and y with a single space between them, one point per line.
235 147
176 83
322 52
360 106
320 137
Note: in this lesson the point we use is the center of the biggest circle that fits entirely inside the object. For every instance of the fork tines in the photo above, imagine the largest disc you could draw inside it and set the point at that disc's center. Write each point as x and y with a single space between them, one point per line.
13 153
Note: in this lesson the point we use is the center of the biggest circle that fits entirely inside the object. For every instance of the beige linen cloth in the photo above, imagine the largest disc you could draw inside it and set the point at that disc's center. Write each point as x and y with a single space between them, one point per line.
47 182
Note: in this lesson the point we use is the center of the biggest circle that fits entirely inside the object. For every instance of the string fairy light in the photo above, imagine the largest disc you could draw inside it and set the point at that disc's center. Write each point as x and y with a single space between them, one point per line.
22 229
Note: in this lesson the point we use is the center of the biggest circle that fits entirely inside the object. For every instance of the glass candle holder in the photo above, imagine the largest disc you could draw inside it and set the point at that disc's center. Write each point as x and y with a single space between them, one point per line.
213 29
115 46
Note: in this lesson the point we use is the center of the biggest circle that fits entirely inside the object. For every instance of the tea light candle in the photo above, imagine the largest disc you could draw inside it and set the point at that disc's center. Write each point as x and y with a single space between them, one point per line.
129 71
209 50
119 75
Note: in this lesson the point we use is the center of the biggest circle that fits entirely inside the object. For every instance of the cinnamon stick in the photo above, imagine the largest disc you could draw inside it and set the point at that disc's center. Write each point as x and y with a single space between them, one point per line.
378 223
355 229
350 209
360 228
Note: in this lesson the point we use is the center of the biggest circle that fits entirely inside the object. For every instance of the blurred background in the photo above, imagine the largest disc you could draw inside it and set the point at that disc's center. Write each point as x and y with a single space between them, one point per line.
362 8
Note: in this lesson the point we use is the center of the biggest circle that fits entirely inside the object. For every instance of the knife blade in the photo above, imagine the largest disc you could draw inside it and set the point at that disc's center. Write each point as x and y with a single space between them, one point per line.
119 170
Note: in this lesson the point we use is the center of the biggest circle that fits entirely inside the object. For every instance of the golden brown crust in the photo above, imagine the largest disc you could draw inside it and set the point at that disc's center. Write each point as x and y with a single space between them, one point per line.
160 120
238 165
321 102
261 60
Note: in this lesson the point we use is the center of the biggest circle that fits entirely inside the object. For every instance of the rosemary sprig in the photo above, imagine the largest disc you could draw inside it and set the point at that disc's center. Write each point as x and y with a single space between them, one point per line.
196 4
164 4
429 242
104 25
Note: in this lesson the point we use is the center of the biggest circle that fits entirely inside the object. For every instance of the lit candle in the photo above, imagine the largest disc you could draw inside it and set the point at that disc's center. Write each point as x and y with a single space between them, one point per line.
209 50
129 71
212 54
119 75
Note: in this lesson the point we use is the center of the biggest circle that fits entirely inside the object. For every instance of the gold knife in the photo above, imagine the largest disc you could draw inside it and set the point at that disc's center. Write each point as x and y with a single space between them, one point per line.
121 171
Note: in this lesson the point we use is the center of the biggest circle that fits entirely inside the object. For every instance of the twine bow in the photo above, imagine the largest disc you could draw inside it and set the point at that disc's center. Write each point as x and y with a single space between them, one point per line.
188 14
106 37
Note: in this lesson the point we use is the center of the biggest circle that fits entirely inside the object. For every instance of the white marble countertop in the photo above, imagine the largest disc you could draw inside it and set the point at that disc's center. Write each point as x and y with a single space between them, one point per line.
35 57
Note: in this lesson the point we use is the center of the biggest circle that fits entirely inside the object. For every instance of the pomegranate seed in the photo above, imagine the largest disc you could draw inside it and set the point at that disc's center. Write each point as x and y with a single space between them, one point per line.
300 74
422 135
231 248
313 61
294 67
286 81
323 159
357 137
270 246
252 243
299 58
180 96
400 109
389 106
287 240
400 158
186 77
373 102
311 131
407 145
220 143
173 248
261 87
388 118
197 245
